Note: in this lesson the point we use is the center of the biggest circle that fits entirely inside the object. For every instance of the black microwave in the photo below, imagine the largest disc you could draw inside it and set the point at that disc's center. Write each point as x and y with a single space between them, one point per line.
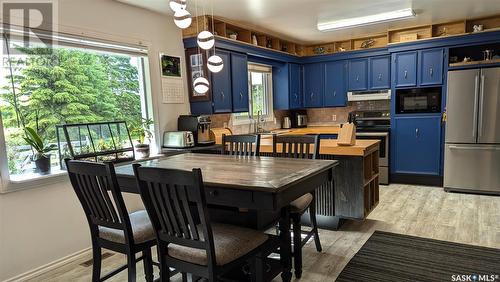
418 100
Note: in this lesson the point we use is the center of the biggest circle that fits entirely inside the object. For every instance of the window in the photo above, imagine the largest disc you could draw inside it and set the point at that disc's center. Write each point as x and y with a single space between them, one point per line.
77 81
260 96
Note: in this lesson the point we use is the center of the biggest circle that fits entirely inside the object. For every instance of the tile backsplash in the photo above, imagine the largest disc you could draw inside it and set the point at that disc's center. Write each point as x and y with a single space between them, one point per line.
226 120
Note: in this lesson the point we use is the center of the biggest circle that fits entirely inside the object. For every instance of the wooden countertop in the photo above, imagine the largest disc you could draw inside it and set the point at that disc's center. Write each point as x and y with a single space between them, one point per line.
330 147
327 146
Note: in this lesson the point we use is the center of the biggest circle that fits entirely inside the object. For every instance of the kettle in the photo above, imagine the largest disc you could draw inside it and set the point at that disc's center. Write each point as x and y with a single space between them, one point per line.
287 123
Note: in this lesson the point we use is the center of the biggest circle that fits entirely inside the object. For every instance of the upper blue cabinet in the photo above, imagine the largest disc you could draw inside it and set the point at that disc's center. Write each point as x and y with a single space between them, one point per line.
221 89
296 90
313 85
335 84
358 74
418 68
239 81
431 66
380 72
405 69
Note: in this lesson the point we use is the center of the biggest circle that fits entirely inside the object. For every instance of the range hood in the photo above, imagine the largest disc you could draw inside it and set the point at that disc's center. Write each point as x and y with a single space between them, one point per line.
369 95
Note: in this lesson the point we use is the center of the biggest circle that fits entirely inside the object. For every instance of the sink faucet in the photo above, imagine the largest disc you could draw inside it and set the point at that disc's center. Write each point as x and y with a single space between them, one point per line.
258 123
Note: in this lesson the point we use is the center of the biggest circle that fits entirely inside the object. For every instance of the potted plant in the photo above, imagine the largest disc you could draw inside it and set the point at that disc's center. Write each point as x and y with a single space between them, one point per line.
143 132
40 156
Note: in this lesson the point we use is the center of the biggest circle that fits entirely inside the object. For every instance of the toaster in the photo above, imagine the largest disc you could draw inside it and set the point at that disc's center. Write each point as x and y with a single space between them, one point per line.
178 139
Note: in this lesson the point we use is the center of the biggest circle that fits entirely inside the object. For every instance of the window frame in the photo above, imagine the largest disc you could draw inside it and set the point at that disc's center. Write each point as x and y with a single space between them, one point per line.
237 118
7 184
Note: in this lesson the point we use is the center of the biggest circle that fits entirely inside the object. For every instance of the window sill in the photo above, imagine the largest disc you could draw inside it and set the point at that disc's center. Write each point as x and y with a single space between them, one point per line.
246 121
34 180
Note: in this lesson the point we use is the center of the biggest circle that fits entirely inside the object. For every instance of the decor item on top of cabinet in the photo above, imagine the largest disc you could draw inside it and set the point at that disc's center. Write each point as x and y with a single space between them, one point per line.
206 40
368 43
408 37
176 5
233 35
477 28
319 50
182 18
254 40
171 80
488 55
347 135
269 43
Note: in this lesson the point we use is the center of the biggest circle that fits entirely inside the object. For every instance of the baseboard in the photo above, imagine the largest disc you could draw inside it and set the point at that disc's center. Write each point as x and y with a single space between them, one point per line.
417 179
48 267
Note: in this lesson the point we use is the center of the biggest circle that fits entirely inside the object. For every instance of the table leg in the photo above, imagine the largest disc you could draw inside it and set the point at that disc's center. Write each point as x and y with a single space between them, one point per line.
286 244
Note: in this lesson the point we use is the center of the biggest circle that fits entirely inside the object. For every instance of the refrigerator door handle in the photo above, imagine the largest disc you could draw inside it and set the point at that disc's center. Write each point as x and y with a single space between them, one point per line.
481 107
474 148
474 119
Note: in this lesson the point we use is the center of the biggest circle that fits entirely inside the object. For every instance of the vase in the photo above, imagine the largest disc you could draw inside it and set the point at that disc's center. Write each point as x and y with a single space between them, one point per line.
42 164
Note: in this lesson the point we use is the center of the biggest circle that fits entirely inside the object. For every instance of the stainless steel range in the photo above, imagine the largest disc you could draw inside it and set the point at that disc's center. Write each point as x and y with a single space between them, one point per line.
375 125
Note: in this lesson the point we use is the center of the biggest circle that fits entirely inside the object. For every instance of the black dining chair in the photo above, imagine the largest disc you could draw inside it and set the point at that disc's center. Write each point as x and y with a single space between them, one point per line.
187 240
241 145
299 146
111 226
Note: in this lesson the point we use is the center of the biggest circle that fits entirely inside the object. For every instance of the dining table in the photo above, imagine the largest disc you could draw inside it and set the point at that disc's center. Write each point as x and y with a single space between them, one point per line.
247 182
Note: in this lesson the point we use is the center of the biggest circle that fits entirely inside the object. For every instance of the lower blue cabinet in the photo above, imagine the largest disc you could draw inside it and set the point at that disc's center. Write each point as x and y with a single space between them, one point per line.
417 145
335 84
221 89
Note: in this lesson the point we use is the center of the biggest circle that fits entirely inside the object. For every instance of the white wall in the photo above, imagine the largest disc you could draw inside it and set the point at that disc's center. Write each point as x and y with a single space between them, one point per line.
40 225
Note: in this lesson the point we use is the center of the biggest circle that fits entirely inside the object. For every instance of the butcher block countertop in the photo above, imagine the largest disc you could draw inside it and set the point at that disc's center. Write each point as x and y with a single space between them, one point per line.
327 146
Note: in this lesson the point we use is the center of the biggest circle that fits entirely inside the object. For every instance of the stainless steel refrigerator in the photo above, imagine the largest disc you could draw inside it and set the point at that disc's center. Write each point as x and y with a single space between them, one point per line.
472 139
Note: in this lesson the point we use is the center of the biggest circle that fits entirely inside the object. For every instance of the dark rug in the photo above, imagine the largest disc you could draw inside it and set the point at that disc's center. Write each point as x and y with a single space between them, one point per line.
394 257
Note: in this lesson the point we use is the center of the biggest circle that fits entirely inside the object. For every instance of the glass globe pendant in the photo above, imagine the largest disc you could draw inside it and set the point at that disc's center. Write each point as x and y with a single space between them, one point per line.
182 18
206 40
176 5
201 85
215 63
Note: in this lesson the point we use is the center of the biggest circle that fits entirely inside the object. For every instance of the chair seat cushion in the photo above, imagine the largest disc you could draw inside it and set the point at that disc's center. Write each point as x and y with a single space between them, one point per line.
141 228
301 204
231 242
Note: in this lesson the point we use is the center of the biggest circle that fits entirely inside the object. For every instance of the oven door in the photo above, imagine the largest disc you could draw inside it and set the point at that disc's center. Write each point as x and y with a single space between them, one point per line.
384 144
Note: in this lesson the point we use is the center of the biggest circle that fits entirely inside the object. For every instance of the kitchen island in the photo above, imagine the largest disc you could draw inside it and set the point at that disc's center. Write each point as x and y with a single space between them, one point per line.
354 193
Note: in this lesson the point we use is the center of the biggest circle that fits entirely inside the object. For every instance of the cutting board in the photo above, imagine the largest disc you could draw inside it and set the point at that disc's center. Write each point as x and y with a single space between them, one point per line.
347 135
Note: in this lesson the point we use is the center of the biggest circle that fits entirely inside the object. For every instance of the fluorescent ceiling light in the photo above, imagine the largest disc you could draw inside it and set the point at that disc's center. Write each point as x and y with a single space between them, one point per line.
372 19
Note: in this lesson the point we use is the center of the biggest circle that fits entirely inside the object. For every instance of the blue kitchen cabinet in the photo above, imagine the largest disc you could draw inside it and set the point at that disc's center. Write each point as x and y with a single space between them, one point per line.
313 85
417 145
335 84
430 67
380 73
358 74
295 84
239 82
221 89
405 69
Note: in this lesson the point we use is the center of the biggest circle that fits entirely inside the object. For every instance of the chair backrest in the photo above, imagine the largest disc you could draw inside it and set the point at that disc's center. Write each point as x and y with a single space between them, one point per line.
241 145
168 195
296 146
92 183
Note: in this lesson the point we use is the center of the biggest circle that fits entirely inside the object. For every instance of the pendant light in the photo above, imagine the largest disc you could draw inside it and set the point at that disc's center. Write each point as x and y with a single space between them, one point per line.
176 5
182 18
206 40
215 63
201 85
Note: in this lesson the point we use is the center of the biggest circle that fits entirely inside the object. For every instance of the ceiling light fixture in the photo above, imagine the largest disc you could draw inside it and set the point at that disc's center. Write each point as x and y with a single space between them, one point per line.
366 20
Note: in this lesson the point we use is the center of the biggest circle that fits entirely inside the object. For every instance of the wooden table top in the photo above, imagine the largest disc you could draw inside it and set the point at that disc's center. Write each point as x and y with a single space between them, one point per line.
266 174
330 147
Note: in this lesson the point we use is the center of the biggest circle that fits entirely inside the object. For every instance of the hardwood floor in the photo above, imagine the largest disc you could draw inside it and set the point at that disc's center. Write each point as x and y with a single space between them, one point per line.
405 209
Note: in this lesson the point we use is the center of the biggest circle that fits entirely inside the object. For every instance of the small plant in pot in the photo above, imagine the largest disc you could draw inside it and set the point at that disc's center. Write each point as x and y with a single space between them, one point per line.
41 155
143 132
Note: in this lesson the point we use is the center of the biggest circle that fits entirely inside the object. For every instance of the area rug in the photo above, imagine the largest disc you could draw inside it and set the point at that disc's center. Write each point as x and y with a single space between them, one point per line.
395 257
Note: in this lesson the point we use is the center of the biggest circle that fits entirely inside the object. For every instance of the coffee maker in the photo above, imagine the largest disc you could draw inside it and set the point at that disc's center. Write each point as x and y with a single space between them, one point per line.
199 125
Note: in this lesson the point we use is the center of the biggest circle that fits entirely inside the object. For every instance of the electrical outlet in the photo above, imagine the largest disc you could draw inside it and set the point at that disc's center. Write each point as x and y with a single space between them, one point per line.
334 117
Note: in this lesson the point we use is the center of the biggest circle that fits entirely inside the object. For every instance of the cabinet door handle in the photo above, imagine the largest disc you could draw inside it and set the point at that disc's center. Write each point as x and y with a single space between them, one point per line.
222 95
241 96
312 94
431 72
406 74
296 96
334 93
416 132
379 77
357 78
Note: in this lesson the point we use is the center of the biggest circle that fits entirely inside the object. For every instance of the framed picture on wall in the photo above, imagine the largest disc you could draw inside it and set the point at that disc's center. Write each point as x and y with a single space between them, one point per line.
170 66
197 66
